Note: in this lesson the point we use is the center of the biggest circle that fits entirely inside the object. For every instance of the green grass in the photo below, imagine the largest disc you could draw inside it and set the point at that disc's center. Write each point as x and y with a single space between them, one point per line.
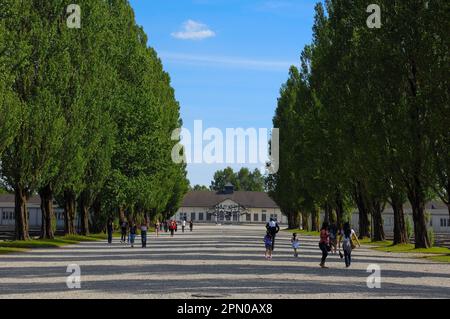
368 241
7 250
409 248
440 258
59 241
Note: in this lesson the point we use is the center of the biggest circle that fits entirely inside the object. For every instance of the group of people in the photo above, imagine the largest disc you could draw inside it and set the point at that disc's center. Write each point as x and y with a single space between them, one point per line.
128 232
331 240
171 226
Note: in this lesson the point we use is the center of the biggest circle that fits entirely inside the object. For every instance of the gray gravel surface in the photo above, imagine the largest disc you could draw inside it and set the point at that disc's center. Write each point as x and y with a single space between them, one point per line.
216 262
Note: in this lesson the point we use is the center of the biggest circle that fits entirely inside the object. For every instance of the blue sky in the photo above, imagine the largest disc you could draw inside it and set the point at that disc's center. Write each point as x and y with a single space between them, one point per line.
227 58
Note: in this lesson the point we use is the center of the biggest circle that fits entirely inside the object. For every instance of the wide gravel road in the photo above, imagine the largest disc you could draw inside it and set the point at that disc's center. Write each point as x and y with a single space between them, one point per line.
216 262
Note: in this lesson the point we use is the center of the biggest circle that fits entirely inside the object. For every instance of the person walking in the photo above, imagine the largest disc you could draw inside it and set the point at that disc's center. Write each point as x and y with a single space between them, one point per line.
144 235
123 231
133 231
157 228
324 243
183 225
172 228
110 230
348 238
268 244
273 228
333 237
166 226
295 244
191 225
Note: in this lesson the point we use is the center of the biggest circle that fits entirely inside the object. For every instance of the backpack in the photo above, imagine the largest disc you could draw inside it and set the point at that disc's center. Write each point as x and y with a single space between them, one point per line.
347 244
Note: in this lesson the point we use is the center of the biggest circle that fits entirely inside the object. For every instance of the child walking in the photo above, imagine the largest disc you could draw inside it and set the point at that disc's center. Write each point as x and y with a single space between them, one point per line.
295 244
268 240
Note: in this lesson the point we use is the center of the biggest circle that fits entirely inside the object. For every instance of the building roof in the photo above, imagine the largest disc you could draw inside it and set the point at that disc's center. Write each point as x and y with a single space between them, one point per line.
10 198
210 199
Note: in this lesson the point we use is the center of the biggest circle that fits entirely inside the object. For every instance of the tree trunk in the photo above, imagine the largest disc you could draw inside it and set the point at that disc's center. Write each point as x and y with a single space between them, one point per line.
378 227
97 223
315 217
400 234
69 212
83 207
326 217
21 214
339 209
48 214
305 221
122 214
416 198
361 202
293 220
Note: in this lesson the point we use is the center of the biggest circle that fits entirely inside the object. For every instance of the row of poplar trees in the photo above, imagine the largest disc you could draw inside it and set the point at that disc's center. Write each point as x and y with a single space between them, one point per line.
364 121
86 116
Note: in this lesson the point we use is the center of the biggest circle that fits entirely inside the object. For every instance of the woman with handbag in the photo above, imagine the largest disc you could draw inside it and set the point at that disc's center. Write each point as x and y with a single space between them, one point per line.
324 243
348 238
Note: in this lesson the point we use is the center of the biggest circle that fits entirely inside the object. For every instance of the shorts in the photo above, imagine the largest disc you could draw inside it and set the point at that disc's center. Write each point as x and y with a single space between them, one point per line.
268 246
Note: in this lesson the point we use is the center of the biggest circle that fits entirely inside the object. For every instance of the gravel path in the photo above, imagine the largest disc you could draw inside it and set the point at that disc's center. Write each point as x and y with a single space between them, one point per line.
216 262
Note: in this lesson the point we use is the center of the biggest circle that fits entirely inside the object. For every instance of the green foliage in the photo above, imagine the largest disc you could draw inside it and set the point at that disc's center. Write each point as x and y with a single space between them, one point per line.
361 115
243 180
88 111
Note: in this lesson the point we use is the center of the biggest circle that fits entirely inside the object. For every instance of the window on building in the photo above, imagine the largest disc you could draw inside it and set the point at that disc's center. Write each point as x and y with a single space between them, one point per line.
200 216
8 216
255 217
443 222
208 216
263 217
192 216
248 218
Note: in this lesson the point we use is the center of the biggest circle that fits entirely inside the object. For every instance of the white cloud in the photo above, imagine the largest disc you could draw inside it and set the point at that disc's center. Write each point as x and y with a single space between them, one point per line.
228 62
193 30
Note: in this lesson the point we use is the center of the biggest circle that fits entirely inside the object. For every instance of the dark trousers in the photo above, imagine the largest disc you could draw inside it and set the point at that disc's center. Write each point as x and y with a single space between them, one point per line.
323 248
171 232
144 239
348 258
123 237
109 237
273 242
182 229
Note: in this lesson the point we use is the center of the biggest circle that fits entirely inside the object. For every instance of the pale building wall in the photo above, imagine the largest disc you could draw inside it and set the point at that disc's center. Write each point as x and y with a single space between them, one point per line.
256 214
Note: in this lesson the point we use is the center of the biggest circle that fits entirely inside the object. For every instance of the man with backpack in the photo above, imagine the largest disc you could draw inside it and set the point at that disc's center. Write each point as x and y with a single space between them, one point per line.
273 228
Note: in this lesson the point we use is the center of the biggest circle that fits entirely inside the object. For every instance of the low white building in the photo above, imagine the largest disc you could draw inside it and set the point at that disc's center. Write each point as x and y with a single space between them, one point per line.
7 216
229 206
